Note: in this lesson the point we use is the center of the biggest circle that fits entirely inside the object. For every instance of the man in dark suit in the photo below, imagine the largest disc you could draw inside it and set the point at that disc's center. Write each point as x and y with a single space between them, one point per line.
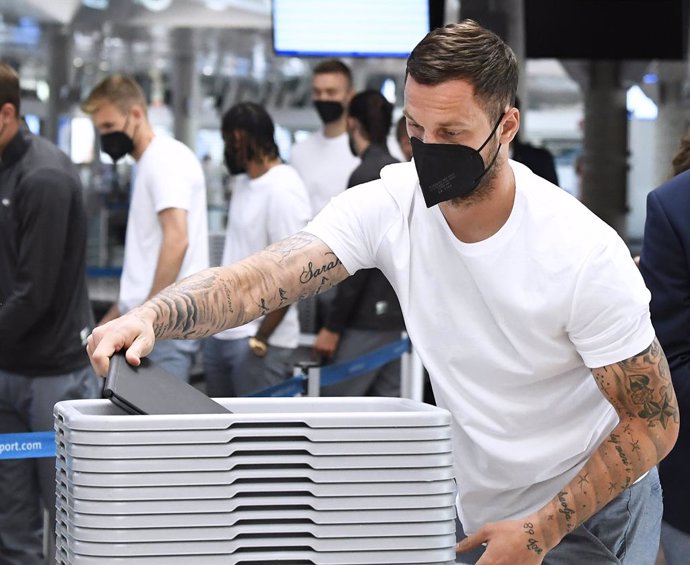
665 266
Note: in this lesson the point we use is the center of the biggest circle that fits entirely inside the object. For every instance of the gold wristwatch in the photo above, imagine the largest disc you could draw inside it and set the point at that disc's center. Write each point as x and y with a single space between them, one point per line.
258 346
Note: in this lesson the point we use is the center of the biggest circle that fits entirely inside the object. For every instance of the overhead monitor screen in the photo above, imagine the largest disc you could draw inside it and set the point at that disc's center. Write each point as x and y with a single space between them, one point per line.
352 28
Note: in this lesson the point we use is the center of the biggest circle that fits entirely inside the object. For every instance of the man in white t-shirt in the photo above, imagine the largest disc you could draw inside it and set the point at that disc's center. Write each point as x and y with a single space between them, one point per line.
167 226
324 159
526 309
268 203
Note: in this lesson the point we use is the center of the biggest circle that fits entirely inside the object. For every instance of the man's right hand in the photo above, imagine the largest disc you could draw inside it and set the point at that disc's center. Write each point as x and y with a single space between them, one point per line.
132 332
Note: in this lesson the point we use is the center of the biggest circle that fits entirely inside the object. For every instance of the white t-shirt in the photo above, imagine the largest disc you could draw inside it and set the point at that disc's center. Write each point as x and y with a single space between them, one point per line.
508 327
262 211
168 175
325 165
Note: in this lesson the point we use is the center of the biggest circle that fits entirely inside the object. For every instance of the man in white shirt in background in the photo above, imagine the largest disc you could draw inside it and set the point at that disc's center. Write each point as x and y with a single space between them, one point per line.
268 203
167 226
324 160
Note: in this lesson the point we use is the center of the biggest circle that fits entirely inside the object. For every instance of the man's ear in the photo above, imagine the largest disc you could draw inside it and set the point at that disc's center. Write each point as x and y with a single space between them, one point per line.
8 111
511 125
137 112
352 124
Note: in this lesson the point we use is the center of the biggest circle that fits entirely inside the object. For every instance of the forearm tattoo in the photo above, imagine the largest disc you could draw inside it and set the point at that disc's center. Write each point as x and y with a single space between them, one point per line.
224 297
641 392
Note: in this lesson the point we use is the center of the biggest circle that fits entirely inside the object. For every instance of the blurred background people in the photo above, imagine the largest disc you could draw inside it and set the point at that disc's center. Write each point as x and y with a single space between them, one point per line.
665 266
45 317
365 313
167 225
269 202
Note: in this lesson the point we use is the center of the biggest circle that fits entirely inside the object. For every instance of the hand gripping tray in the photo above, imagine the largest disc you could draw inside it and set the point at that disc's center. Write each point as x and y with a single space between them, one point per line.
149 389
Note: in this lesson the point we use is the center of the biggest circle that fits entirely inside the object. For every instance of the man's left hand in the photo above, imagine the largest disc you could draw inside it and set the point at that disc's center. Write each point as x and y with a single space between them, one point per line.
514 542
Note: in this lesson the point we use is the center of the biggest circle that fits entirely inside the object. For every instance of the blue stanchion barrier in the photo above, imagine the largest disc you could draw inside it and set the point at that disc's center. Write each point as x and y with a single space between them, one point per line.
291 387
42 444
332 374
29 445
104 272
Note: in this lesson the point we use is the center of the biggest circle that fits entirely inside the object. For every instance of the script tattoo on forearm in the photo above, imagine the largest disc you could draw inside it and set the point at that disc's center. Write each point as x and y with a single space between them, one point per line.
310 271
229 296
566 511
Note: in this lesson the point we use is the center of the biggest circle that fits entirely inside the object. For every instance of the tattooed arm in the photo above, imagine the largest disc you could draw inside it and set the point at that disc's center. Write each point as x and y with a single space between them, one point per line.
219 298
641 392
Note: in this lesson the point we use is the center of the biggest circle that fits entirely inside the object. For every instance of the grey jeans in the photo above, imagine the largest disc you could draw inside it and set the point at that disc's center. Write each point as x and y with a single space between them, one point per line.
625 532
176 356
231 369
27 486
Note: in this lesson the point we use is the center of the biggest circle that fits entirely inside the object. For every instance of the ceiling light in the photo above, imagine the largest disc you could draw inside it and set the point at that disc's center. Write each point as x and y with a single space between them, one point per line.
96 4
156 5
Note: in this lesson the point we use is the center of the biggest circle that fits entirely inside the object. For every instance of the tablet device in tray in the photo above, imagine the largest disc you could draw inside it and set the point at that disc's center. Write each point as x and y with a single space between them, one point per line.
149 389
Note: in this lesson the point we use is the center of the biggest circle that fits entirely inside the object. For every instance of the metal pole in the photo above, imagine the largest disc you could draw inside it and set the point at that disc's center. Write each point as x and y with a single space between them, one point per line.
314 381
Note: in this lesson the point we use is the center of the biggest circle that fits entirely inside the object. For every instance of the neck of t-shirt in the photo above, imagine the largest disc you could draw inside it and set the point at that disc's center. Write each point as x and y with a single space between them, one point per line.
334 129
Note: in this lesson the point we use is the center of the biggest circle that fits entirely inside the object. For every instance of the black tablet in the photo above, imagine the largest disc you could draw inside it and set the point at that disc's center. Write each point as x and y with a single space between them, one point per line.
149 389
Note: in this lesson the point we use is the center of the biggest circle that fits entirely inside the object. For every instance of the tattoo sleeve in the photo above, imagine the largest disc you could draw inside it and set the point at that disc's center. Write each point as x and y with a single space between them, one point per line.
223 297
640 390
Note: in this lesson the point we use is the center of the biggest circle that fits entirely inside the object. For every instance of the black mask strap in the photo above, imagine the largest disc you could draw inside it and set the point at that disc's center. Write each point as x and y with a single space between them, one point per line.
493 131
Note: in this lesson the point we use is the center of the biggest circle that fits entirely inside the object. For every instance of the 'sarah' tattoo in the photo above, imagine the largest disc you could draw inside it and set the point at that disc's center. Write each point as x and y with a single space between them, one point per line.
310 271
532 542
263 307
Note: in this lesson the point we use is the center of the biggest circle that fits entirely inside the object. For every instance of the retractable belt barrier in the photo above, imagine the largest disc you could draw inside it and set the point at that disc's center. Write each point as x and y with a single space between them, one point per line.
32 445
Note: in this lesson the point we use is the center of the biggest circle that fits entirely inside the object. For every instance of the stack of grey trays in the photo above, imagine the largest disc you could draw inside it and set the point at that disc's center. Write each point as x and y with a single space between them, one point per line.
279 480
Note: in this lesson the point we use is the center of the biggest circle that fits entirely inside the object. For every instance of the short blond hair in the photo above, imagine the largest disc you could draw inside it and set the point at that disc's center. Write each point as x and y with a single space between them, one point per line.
121 91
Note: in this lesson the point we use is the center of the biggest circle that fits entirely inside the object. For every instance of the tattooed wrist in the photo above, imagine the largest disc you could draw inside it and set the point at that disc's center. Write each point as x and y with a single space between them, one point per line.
532 541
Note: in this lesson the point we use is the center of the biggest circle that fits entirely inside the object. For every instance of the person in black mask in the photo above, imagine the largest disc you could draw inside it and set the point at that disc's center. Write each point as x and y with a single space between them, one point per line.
324 160
526 309
269 202
167 227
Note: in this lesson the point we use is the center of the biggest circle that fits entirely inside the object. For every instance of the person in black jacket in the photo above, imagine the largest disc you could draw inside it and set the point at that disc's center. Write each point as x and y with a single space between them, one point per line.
538 159
365 313
45 317
665 267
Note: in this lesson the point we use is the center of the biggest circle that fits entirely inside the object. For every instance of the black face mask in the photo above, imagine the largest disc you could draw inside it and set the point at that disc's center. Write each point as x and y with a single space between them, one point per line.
231 162
448 171
329 110
116 144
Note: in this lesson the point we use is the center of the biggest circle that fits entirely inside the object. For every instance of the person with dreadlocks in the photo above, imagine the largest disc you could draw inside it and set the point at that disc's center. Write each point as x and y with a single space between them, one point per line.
269 202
